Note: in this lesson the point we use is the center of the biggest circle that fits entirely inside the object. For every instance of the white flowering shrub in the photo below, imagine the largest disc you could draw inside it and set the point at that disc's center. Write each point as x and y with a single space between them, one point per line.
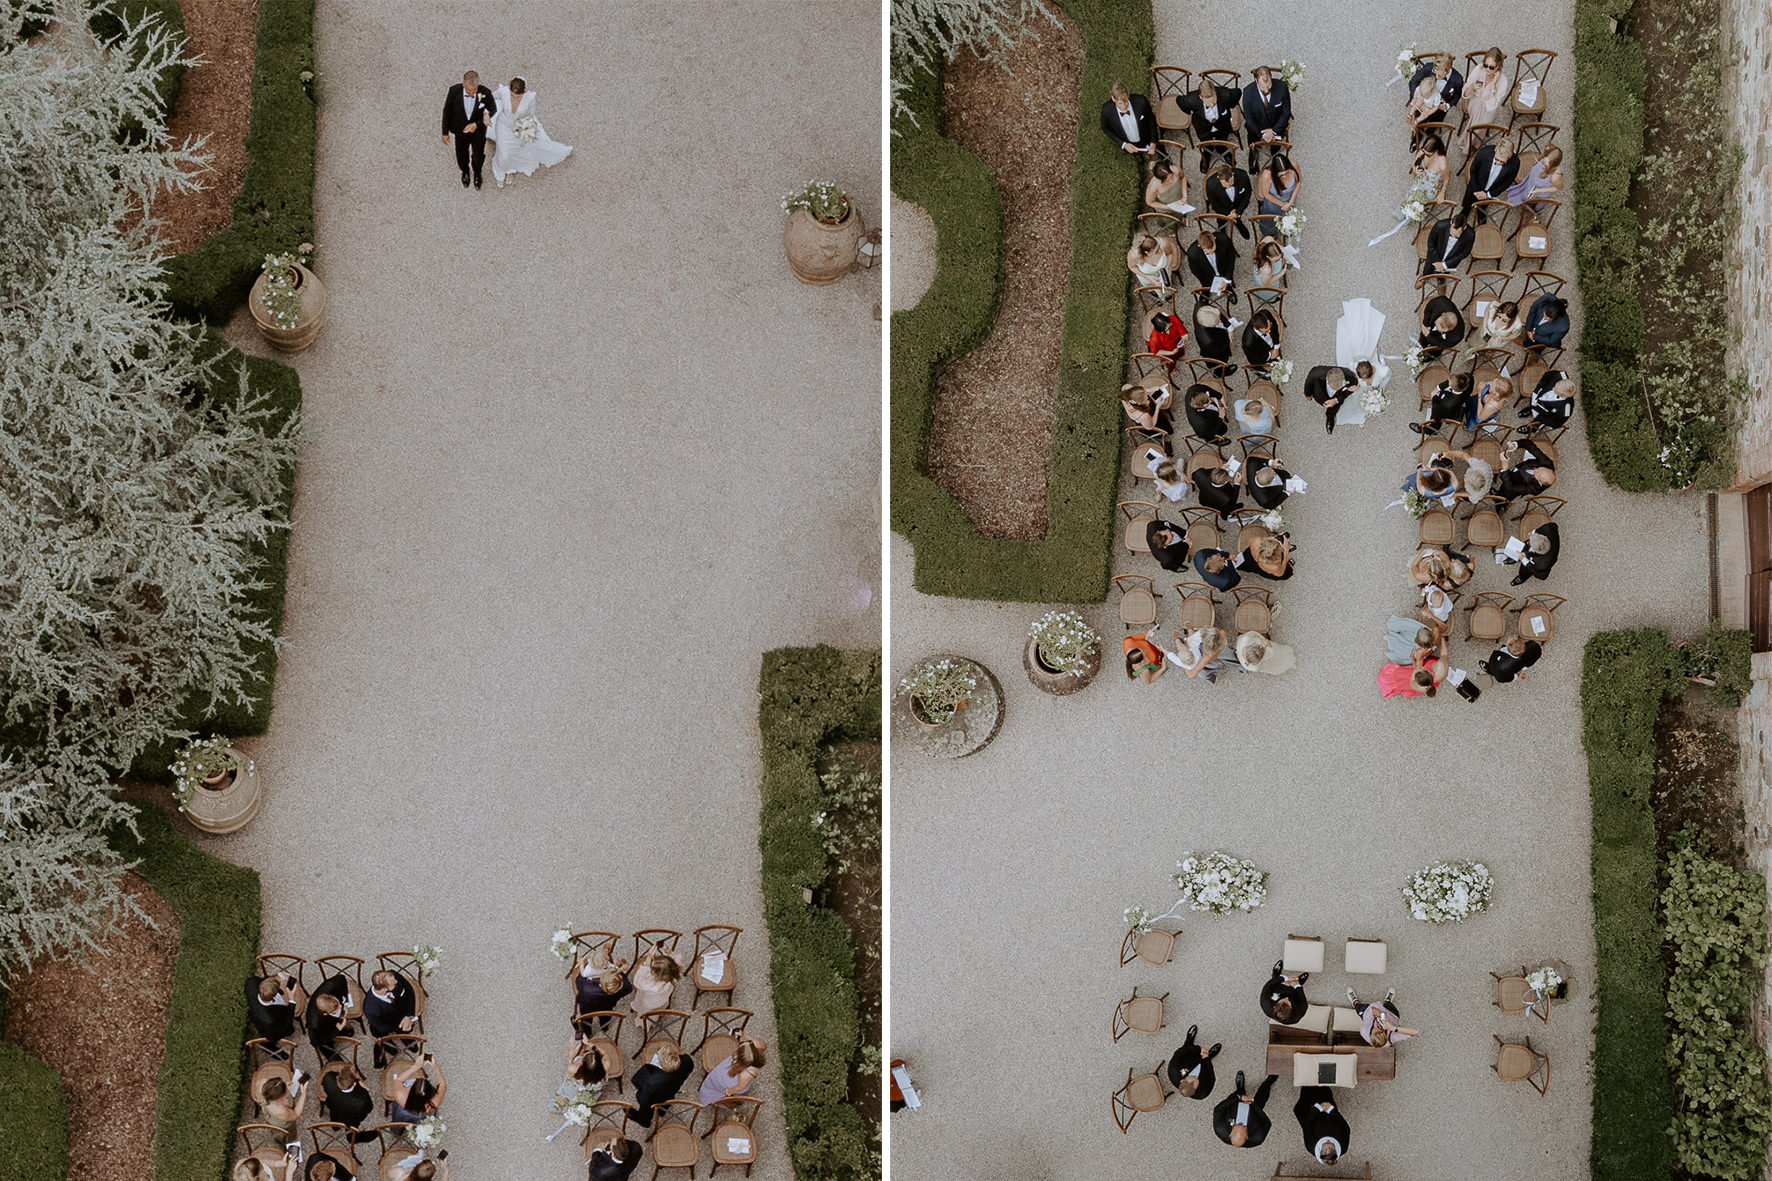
939 686
821 198
1064 640
1448 891
1218 883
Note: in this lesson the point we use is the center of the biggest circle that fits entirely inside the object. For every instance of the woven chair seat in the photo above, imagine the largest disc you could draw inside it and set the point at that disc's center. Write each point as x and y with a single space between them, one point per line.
1486 448
674 1147
1430 380
1145 1093
730 1130
1487 622
1169 114
1484 528
1530 631
1515 1062
716 1049
1523 241
1251 533
1532 520
1145 1014
1253 615
1196 613
1135 535
1489 243
1205 458
1202 535
1155 947
1437 527
1138 608
728 971
1510 995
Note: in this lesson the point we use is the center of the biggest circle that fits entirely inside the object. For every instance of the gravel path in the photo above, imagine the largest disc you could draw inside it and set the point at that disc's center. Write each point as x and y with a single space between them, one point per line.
1004 951
580 452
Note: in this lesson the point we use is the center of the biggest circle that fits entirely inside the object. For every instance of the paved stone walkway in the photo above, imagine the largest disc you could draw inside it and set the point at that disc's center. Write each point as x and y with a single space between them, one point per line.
1004 948
580 452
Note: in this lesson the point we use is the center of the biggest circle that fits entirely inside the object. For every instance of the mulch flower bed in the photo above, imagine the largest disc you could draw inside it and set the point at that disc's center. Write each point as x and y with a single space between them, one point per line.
215 100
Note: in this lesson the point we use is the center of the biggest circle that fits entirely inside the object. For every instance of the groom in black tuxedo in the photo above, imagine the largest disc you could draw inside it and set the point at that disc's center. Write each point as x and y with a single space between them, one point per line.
466 113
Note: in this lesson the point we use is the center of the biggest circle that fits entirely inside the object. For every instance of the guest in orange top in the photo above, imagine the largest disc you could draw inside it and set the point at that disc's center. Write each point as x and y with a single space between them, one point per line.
1167 335
1144 660
1417 679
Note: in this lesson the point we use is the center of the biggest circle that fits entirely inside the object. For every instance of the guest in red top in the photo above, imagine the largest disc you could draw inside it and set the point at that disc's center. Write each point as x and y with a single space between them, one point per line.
1167 335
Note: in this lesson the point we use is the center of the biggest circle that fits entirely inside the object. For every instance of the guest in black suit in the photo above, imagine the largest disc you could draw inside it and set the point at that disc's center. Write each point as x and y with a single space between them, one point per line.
1451 403
1532 472
1261 339
1190 1071
326 1018
1214 116
654 1084
1126 119
1205 414
1266 481
1447 80
1267 109
1442 325
1282 997
1547 323
1493 171
1542 545
391 1007
1228 192
1325 1129
1212 257
467 112
270 1005
1215 569
346 1100
1239 1120
1168 544
1218 490
1448 244
1552 401
1327 386
615 1161
1510 661
1212 337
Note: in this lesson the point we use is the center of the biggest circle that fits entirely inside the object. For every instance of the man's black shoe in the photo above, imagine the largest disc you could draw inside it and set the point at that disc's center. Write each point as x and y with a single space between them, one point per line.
465 180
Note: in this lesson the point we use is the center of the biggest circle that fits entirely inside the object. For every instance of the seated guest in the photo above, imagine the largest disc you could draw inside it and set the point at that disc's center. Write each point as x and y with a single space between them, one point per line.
1269 558
390 1008
1200 653
1444 568
1144 660
615 1161
1218 490
1509 662
1541 180
1267 109
1167 337
345 1100
1261 339
1266 481
1421 677
1503 325
1484 92
1448 245
1381 1025
1436 610
1492 172
1211 335
1490 401
1254 416
324 1167
1170 481
598 987
1214 115
1213 261
1257 653
270 1006
414 1095
1442 326
1168 545
1424 106
421 1169
1270 268
1429 172
1403 636
1153 261
1167 189
586 1066
1214 567
326 1020
1282 997
1126 119
1205 414
1479 478
1552 401
1228 193
1547 323
1144 406
284 1103
1448 83
1190 1071
253 1169
1434 480
1325 1128
1541 553
1276 191
1239 1120
1451 403
657 1081
1327 386
654 980
1531 472
736 1072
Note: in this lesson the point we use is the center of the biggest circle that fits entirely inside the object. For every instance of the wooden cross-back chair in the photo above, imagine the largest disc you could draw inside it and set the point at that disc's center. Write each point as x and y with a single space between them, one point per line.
1440 437
1535 64
1197 608
1488 442
1136 534
1539 608
1437 371
1201 524
609 1121
345 1048
1258 446
272 962
719 940
586 945
1267 299
1142 1093
1437 526
1532 141
1207 372
1532 235
1151 365
1263 150
1168 84
1149 314
1249 526
1159 224
1214 152
654 939
1174 150
1535 511
1255 609
351 968
1484 529
1515 1061
603 1030
1227 82
1487 364
1487 616
1487 219
674 1142
255 1138
1440 127
721 1027
1137 1014
265 1072
1488 288
1510 992
1138 604
1153 298
1142 439
659 1028
1437 211
1433 285
335 1140
1202 455
731 1132
406 965
1482 135
395 1147
1551 355
1155 946
1539 283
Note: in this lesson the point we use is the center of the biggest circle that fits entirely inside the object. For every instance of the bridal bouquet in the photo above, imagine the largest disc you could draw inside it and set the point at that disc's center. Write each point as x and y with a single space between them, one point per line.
428 1132
1219 883
1448 891
1290 224
427 959
1138 919
1064 641
1405 62
1417 360
1544 981
562 945
528 129
1292 72
1279 371
1373 401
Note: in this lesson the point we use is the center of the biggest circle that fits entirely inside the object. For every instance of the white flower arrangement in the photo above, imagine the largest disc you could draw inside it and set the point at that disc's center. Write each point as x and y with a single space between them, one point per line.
1406 62
1448 891
1064 641
428 1132
1417 360
821 198
1279 371
1138 919
939 687
1274 520
1373 401
577 1109
561 945
1291 224
1412 210
1292 72
427 959
1219 883
201 759
282 299
1544 981
528 129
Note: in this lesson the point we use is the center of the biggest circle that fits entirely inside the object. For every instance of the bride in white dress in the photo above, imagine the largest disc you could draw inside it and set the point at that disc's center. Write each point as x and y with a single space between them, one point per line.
1356 340
521 142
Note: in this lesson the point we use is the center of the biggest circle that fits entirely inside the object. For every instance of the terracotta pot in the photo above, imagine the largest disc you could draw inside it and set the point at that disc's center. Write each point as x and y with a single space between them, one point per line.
1050 680
920 712
307 325
228 805
822 252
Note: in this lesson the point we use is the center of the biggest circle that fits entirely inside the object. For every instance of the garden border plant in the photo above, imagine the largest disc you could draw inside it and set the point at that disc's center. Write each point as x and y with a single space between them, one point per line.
808 697
1071 563
33 1119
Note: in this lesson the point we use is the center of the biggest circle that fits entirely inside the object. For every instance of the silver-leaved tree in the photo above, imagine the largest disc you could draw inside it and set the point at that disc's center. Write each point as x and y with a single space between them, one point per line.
926 33
134 478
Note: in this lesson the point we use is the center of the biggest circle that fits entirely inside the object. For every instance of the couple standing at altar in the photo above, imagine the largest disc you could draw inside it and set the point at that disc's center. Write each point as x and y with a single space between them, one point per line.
1356 340
506 119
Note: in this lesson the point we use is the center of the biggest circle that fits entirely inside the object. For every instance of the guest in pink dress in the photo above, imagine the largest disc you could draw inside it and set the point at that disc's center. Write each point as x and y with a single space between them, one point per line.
1418 679
1484 92
735 1074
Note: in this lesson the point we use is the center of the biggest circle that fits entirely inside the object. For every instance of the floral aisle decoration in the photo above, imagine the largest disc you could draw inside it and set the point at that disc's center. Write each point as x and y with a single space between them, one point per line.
1138 919
1291 225
1218 883
1405 64
938 688
205 762
561 945
427 959
527 129
1448 891
1417 359
821 198
1416 504
1064 641
576 1109
428 1132
1274 520
1544 981
1292 72
281 295
1279 371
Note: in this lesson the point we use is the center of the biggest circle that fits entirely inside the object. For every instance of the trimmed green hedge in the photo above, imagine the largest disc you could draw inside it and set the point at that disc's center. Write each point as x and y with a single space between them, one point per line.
203 1076
1071 564
274 209
1625 676
33 1119
811 696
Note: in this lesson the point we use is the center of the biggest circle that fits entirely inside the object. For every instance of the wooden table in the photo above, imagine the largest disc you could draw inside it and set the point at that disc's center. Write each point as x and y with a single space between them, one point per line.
1375 1063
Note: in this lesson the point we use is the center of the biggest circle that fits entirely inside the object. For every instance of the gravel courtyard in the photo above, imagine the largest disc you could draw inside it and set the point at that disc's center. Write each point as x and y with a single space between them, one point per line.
580 452
1010 868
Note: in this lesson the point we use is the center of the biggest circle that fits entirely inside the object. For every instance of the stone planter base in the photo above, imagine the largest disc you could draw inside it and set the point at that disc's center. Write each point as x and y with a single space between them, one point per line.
1056 683
228 808
971 728
313 313
822 252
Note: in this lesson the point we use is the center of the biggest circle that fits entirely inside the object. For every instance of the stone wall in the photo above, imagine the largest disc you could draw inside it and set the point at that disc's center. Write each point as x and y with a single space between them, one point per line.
1750 285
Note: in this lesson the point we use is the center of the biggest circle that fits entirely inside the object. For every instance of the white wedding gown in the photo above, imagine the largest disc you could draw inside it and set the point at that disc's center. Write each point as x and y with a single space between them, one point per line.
511 154
1356 340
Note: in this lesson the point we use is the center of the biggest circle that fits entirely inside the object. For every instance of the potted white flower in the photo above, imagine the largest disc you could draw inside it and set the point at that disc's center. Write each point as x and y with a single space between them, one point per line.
823 232
288 301
1063 653
1218 883
938 689
215 785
